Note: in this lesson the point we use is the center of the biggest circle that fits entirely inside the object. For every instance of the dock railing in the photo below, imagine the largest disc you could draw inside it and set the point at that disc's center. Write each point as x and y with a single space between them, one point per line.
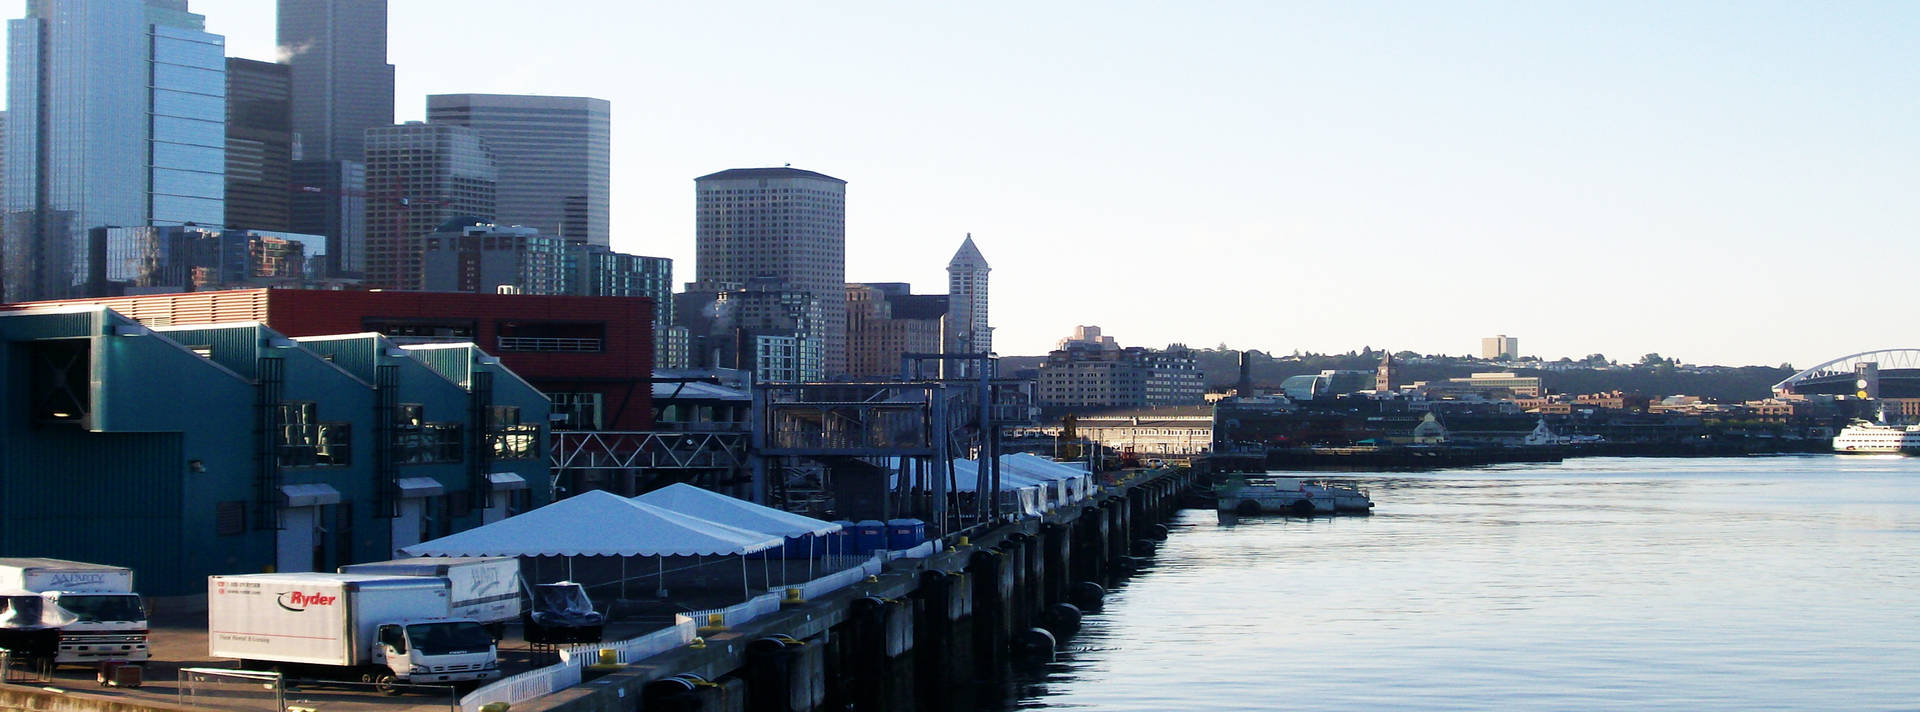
567 673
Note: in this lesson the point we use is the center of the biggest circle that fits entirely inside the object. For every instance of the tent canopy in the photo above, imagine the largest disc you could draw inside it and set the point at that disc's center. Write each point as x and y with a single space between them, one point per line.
598 523
731 511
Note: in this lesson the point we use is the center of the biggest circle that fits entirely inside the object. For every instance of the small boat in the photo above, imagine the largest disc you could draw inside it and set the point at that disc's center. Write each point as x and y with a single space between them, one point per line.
1286 495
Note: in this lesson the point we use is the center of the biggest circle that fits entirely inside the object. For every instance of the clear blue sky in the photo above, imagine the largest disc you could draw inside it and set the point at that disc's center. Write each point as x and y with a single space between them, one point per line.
1717 181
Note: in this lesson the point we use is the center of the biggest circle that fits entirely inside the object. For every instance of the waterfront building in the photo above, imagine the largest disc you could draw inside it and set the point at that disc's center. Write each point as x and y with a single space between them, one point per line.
301 454
419 176
1326 384
592 355
970 331
329 198
1496 385
784 223
885 320
1087 374
118 117
553 157
1164 430
259 145
336 51
1500 348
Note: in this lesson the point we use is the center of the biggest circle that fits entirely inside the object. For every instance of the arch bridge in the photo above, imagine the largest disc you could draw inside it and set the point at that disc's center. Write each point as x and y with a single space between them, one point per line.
1898 375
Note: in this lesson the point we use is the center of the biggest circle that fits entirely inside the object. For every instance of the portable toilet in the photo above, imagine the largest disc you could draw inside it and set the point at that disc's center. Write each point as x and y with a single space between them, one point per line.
905 533
841 540
869 535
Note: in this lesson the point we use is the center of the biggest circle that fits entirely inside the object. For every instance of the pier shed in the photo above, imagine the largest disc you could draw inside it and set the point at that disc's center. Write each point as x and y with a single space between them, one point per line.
228 448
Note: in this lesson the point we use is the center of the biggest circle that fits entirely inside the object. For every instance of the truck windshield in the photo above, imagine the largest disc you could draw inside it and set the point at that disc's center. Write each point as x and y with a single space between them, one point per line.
96 609
451 638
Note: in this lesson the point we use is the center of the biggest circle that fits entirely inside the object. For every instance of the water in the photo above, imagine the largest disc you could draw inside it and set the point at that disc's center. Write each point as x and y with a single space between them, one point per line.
1629 584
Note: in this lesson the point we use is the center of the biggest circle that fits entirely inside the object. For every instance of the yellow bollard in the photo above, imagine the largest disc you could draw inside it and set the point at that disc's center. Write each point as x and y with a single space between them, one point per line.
965 540
609 656
698 643
495 707
794 598
716 622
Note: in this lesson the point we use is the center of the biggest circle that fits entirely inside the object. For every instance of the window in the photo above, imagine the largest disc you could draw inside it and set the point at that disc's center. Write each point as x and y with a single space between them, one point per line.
303 441
581 411
416 441
508 438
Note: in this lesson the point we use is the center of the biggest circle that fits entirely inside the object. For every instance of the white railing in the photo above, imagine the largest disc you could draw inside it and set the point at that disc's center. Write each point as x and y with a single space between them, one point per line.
924 550
548 343
566 673
733 615
631 650
841 579
524 686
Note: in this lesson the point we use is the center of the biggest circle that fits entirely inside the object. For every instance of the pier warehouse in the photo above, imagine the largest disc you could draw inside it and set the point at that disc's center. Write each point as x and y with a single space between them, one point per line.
186 451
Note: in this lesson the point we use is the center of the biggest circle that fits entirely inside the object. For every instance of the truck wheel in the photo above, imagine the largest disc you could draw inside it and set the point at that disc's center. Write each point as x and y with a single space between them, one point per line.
387 684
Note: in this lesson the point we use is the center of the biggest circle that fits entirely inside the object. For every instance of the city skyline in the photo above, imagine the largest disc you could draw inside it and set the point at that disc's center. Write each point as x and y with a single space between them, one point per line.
1620 180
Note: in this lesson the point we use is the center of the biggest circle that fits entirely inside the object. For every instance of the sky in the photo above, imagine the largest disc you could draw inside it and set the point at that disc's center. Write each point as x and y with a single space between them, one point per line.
1721 182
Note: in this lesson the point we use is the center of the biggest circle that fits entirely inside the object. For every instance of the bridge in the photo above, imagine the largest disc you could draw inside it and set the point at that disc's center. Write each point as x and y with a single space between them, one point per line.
1886 373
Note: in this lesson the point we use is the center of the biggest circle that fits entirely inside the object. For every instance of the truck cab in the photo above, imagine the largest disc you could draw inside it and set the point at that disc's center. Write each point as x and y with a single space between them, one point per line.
106 626
435 651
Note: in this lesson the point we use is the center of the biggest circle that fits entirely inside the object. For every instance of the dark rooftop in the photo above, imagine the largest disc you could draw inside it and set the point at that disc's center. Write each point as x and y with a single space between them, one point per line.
745 173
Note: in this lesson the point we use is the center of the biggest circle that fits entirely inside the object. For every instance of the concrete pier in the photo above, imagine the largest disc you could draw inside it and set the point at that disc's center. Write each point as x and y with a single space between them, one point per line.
931 634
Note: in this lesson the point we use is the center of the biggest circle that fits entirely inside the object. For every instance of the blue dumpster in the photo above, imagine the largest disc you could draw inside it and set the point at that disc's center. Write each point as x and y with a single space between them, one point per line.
869 535
905 533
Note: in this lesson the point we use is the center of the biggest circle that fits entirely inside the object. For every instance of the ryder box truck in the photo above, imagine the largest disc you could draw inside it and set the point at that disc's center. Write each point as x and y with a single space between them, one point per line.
388 630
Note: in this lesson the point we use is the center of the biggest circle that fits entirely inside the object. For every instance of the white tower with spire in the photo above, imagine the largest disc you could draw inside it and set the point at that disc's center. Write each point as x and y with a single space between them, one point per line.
968 330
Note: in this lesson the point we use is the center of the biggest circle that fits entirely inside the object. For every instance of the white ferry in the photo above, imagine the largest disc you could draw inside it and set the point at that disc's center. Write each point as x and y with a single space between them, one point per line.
1866 437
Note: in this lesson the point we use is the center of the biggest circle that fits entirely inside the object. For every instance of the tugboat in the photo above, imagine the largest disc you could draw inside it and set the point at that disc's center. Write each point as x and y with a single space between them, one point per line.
1286 495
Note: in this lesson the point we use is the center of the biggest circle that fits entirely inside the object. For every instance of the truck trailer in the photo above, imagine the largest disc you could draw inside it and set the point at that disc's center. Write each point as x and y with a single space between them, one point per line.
387 630
104 621
485 588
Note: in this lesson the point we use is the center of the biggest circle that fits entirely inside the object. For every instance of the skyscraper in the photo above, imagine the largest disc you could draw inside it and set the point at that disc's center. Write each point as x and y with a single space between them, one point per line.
117 115
259 145
783 223
342 83
419 176
968 331
553 157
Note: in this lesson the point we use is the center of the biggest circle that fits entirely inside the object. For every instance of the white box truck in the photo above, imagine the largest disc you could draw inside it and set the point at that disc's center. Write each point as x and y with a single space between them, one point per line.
485 588
109 620
388 630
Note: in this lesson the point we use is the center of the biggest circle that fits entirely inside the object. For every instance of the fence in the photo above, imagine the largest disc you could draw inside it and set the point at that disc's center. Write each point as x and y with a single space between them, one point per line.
566 673
224 688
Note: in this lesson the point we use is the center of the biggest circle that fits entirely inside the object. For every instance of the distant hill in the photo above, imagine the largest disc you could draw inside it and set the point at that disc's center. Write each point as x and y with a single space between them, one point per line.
1725 384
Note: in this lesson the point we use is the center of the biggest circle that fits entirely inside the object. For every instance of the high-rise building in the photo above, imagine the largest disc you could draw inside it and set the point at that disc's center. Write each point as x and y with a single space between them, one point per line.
762 325
885 320
783 223
259 145
469 255
1500 347
420 175
969 332
342 83
330 198
186 258
118 118
553 157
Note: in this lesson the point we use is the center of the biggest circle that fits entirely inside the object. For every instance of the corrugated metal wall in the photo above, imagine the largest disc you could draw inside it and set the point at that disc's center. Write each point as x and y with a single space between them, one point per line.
110 498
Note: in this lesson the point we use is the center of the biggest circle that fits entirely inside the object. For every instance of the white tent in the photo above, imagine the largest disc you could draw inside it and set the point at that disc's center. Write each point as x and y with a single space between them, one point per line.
1028 494
713 506
1072 480
598 523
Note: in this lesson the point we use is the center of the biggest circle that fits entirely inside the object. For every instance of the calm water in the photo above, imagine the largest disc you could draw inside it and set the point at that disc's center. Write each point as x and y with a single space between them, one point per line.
1684 584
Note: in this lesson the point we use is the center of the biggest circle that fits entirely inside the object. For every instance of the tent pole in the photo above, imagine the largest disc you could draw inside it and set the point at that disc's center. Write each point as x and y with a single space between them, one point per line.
766 574
745 593
623 578
660 584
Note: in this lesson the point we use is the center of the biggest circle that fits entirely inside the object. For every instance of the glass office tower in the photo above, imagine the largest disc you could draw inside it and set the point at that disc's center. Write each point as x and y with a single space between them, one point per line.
117 115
